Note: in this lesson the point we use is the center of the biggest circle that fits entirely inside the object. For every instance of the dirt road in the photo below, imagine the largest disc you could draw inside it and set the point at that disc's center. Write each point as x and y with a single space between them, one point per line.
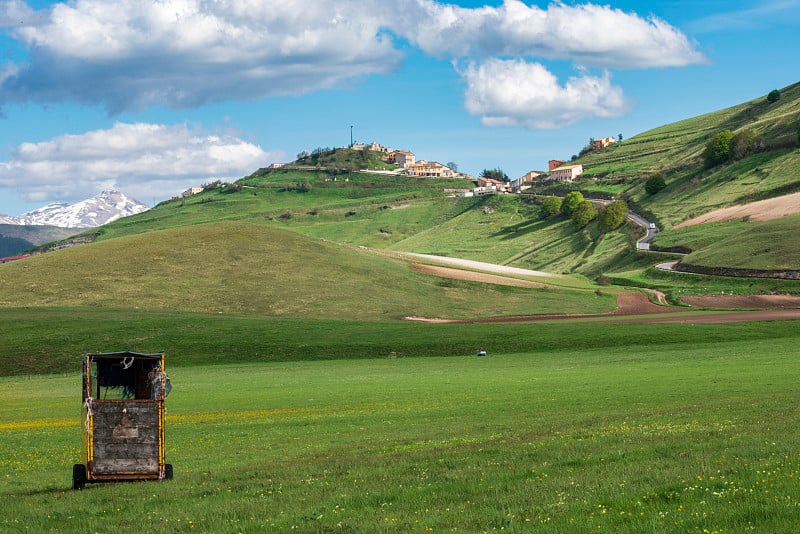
635 307
632 306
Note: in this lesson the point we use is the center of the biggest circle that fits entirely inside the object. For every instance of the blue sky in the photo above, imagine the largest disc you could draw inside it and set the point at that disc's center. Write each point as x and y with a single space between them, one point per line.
152 97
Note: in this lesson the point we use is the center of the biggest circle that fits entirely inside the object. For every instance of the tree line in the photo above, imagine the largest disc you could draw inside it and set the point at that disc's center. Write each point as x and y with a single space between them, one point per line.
581 211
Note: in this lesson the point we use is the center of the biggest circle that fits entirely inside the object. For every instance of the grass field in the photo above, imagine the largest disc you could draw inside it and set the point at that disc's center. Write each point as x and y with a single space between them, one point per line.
697 434
53 340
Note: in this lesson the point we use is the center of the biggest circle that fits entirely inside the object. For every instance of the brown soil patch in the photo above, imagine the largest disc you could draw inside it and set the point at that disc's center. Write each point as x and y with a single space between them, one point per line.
636 307
744 301
763 210
629 304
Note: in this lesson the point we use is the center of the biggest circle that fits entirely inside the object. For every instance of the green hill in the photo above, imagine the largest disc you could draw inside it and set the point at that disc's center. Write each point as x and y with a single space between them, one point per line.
676 151
251 268
345 159
692 188
751 246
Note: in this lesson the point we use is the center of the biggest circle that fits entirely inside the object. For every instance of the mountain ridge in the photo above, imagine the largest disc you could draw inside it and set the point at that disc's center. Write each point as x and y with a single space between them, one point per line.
103 208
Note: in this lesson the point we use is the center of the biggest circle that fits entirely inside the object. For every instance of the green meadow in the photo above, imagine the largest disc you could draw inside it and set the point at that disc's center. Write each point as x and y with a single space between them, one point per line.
693 430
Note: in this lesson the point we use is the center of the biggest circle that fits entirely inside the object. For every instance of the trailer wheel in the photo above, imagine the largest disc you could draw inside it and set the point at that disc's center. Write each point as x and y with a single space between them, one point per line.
167 471
78 476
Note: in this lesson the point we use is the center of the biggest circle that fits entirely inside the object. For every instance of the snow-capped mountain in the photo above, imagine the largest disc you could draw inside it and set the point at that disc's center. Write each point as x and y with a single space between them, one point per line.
96 211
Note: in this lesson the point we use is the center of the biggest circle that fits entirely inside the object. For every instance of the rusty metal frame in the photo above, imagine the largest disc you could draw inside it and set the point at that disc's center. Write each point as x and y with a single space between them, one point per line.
88 452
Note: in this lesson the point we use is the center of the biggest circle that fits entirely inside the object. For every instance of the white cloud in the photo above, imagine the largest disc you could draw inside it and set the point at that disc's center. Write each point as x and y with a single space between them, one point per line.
15 13
144 161
133 54
589 34
517 93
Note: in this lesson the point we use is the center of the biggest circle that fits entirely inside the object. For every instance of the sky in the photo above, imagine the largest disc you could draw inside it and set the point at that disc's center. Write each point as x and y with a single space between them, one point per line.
151 97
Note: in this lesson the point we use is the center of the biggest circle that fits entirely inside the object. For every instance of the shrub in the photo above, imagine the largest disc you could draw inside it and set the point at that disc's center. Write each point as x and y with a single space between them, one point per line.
718 149
773 96
550 206
655 183
726 146
613 215
583 214
571 201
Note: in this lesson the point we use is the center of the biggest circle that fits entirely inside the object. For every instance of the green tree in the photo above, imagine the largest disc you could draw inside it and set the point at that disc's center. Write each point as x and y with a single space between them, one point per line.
571 202
613 215
718 149
550 206
655 183
495 174
583 214
773 96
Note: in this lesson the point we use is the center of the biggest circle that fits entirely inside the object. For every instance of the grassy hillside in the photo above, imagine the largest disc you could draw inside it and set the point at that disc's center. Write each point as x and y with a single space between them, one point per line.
399 213
676 151
283 197
751 246
345 159
677 148
509 230
250 267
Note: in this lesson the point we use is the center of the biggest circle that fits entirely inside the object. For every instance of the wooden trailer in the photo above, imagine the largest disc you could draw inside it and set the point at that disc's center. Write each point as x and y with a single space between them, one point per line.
123 418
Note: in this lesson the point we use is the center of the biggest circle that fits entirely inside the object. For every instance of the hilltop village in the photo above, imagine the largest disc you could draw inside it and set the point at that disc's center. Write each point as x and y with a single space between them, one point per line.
406 164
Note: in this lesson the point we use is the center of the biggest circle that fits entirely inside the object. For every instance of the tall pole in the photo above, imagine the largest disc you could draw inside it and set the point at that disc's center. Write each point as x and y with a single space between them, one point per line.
351 136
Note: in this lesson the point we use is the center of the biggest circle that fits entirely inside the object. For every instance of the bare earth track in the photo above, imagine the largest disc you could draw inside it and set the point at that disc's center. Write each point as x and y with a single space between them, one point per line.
635 306
762 210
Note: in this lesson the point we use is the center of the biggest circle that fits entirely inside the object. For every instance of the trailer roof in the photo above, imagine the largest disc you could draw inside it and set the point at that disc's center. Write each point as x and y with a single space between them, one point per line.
124 354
